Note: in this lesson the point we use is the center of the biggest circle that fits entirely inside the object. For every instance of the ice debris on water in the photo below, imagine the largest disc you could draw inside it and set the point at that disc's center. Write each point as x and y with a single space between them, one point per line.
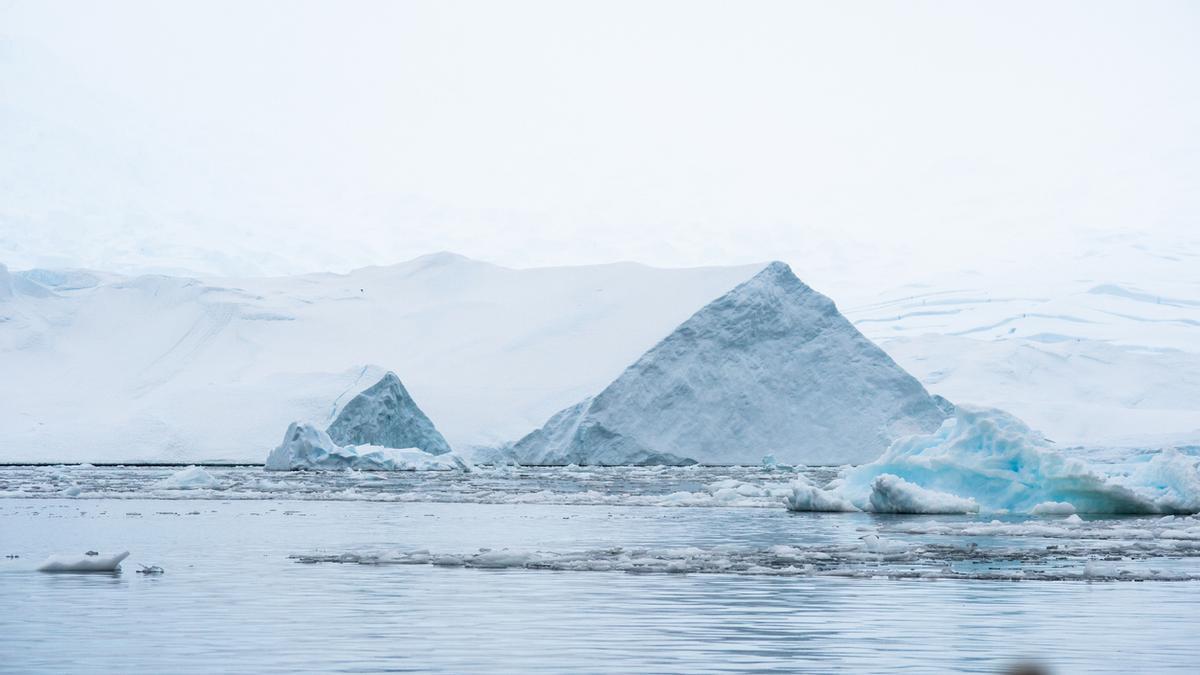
986 460
149 569
870 556
190 478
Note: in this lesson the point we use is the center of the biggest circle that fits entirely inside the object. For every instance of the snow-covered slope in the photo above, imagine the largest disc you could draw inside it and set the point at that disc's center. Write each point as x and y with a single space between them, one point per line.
769 368
385 414
1102 348
105 367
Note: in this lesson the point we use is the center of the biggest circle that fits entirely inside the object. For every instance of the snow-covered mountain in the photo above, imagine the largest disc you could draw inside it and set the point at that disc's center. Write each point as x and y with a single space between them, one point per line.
105 367
771 367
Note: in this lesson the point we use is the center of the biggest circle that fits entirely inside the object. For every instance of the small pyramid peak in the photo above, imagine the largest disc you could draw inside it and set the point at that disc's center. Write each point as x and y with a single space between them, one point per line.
385 414
775 276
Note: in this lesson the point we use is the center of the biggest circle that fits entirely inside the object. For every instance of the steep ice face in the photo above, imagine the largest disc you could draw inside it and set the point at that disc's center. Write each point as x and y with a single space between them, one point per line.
6 290
987 460
386 415
306 447
769 368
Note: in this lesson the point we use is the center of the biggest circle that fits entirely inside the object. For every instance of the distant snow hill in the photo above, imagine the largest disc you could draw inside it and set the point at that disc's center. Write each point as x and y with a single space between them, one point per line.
104 367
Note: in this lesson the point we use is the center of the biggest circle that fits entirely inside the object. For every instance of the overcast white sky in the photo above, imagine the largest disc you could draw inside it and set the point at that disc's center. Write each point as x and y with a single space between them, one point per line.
279 137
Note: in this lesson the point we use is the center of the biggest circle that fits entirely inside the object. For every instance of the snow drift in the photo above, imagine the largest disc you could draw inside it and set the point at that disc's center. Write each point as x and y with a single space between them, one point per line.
770 367
305 447
987 460
386 415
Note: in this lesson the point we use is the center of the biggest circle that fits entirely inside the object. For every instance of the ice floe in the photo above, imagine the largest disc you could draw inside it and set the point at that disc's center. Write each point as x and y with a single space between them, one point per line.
85 562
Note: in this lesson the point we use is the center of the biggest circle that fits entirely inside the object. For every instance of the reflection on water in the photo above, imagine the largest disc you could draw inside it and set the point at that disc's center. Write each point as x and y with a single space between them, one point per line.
232 600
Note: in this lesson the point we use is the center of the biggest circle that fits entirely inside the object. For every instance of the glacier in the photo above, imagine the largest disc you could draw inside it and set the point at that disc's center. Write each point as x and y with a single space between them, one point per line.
770 367
986 460
305 447
385 415
489 352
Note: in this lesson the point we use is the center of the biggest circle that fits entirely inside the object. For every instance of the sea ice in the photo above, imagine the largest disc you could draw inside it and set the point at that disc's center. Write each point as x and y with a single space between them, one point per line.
66 562
305 447
987 460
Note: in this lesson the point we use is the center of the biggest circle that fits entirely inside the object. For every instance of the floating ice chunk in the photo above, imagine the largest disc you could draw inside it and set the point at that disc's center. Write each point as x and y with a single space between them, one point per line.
893 494
876 544
191 478
987 460
808 497
83 563
306 447
1053 509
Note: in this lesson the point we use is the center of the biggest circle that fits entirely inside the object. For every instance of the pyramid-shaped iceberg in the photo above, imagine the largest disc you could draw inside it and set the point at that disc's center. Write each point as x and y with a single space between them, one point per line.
770 367
386 415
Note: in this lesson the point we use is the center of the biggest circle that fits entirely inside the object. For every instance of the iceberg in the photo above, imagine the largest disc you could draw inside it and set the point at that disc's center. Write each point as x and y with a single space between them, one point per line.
386 415
986 460
305 447
86 562
191 478
770 367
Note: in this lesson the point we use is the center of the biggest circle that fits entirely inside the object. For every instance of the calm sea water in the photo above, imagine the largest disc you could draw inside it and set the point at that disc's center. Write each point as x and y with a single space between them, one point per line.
721 589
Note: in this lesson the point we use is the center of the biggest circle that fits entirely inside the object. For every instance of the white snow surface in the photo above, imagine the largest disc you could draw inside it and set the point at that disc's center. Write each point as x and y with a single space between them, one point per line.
770 368
67 562
305 447
987 460
105 367
1098 348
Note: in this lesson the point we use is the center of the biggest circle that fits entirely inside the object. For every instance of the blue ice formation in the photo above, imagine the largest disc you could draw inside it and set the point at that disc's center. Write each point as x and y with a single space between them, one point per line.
386 415
986 460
